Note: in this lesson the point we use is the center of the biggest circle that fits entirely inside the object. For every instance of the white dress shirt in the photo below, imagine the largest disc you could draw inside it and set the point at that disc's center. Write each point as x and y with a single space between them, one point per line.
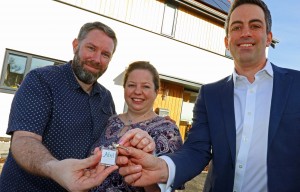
252 105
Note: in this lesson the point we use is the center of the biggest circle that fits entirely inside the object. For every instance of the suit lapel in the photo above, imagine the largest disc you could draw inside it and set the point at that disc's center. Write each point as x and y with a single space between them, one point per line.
229 117
281 87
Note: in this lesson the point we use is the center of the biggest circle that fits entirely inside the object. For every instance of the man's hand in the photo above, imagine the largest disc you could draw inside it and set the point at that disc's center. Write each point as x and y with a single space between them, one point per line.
139 139
143 169
80 175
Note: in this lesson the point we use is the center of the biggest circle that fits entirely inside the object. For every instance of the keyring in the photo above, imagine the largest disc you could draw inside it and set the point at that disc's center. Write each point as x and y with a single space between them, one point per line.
110 154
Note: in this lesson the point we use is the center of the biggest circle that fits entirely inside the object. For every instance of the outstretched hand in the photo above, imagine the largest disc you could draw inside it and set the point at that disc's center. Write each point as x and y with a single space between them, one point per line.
139 139
80 175
142 169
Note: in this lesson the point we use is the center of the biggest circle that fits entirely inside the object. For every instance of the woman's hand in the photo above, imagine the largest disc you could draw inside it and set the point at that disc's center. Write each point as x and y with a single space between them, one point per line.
139 139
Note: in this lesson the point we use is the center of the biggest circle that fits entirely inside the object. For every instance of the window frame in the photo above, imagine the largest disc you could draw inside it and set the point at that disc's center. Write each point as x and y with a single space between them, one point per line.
29 57
164 20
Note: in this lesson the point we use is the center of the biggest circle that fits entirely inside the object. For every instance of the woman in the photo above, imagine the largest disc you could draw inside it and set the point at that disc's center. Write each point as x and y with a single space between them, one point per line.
141 85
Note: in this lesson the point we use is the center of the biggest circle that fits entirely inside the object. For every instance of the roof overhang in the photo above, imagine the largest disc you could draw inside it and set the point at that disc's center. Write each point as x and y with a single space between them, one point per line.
187 84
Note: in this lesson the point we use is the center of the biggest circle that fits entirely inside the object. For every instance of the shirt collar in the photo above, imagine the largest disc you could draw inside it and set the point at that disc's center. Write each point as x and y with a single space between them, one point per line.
267 69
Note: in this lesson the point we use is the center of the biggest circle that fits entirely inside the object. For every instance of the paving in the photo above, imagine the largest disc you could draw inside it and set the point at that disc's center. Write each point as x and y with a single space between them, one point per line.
196 184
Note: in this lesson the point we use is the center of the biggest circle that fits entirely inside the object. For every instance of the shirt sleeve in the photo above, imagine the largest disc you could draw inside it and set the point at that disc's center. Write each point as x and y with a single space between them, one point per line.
31 106
172 169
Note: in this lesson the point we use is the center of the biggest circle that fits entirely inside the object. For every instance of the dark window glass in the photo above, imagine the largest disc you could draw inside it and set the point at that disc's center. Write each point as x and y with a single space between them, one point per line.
15 70
17 64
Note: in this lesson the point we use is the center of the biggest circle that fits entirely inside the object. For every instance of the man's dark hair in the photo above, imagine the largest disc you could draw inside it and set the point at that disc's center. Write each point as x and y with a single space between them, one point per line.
259 3
86 28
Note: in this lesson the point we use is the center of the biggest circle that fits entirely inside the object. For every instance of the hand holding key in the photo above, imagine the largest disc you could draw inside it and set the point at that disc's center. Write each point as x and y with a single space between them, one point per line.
139 139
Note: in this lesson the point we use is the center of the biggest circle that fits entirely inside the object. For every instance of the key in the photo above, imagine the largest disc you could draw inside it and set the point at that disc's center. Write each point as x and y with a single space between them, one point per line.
117 145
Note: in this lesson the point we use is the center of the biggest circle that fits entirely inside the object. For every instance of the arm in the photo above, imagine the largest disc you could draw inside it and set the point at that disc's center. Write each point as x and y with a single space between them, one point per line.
72 174
33 99
29 152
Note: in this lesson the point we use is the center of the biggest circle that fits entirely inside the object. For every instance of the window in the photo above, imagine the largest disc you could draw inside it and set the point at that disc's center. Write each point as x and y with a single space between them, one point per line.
17 65
189 100
169 20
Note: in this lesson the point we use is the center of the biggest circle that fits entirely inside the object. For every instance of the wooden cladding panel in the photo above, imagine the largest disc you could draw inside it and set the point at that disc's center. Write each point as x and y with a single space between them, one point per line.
191 27
173 100
183 129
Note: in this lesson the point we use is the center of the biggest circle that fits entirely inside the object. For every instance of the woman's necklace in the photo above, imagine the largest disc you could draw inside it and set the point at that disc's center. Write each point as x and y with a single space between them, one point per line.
138 118
127 125
129 121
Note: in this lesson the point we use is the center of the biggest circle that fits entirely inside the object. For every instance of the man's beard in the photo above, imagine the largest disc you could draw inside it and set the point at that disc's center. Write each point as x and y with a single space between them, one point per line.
82 74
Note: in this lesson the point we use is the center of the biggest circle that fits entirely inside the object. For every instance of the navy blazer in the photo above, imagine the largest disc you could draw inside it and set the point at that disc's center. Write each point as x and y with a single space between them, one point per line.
213 136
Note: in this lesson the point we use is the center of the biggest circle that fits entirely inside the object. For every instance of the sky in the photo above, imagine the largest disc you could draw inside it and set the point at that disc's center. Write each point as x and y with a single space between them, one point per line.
286 29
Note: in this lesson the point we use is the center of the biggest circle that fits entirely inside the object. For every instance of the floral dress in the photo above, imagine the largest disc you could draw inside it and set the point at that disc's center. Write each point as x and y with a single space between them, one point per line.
165 134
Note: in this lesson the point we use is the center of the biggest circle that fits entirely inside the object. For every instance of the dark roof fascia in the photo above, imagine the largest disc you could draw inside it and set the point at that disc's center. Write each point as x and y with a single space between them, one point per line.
212 6
187 84
205 9
211 11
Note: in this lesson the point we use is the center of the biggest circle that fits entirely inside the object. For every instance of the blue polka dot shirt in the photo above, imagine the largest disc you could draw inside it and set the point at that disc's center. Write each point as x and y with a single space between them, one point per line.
51 103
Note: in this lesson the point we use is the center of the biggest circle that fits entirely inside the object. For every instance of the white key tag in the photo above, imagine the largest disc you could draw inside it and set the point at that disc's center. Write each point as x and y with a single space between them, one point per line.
109 156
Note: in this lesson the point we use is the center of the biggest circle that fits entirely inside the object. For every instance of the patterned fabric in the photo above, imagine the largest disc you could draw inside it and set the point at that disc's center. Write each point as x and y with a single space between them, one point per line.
51 103
165 134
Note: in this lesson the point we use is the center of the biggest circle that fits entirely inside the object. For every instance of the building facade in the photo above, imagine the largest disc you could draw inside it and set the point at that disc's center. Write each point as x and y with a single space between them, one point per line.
183 39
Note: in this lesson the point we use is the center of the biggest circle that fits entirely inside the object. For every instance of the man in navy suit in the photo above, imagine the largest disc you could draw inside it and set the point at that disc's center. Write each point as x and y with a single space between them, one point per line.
247 124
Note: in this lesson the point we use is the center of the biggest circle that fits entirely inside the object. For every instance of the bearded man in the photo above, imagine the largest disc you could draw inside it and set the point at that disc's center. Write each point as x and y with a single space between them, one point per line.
57 114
